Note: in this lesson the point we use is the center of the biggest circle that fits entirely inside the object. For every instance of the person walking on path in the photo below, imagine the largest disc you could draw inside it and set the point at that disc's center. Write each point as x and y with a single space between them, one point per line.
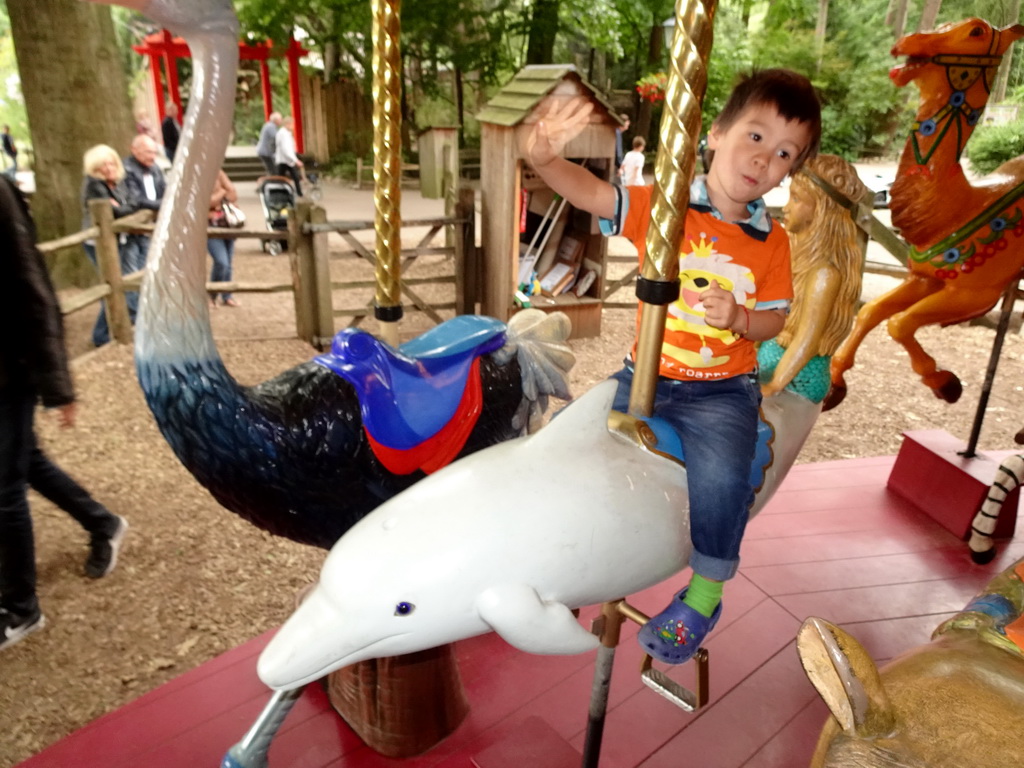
619 154
288 162
266 147
34 365
221 250
11 150
632 169
171 130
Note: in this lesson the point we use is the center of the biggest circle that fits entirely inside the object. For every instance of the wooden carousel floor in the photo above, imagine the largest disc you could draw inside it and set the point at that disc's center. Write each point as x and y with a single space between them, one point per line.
834 542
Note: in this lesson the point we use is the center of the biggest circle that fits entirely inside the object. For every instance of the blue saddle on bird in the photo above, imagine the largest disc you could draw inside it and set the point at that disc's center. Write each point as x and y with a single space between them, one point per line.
409 394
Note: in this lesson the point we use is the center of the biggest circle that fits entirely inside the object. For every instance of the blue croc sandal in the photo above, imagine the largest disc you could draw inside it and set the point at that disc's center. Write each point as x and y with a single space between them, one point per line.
675 634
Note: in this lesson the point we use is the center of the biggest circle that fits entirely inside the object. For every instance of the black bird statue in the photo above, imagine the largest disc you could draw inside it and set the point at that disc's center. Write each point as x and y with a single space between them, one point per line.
297 455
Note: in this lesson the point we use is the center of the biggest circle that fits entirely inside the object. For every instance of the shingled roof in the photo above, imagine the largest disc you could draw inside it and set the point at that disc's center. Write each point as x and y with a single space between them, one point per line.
528 88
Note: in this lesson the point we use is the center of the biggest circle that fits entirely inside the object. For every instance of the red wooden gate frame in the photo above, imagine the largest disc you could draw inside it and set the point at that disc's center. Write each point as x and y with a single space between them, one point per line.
161 46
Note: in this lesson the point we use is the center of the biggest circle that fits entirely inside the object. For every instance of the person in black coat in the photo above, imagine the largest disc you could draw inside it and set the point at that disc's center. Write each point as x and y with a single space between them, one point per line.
170 128
146 186
34 366
105 180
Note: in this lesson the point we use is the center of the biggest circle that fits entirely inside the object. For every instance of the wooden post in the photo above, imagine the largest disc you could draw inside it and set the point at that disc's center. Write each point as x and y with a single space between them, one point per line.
300 251
108 258
467 271
324 318
404 705
500 184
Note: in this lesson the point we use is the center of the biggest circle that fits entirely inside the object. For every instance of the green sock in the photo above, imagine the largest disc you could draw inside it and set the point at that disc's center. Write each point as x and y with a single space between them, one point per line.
704 595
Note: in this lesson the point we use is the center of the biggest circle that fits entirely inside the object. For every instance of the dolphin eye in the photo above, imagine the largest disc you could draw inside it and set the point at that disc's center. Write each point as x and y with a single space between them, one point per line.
404 609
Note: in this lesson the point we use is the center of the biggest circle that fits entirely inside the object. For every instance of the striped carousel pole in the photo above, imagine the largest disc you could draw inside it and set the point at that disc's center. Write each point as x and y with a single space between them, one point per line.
657 287
387 166
658 284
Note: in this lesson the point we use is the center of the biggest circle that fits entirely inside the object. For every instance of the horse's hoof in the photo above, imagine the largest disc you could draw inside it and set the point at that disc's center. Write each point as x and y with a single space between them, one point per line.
836 395
983 558
1019 438
950 389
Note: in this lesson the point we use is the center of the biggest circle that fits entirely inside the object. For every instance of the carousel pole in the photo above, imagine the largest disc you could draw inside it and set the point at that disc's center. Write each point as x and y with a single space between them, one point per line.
387 165
657 287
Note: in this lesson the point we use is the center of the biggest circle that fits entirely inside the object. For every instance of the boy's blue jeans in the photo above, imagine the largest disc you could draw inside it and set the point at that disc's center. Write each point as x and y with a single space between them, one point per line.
717 424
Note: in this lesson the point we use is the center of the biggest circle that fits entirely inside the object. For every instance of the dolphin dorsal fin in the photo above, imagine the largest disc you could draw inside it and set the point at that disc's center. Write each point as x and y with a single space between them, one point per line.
586 417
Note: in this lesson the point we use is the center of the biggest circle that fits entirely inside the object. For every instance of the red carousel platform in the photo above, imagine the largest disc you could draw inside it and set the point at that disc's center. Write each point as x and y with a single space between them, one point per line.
835 542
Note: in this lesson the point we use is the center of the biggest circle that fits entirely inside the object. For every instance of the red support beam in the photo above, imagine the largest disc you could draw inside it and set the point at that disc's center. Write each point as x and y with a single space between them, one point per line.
158 82
171 65
268 92
161 45
295 51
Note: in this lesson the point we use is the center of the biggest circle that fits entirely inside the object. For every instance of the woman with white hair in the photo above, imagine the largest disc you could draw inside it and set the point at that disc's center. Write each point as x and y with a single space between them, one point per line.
104 179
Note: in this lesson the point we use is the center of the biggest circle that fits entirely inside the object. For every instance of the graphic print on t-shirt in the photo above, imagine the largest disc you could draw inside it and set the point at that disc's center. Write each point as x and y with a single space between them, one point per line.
697 269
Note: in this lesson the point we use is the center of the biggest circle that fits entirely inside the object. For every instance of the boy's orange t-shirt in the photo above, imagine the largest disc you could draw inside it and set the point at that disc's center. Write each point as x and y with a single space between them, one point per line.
753 265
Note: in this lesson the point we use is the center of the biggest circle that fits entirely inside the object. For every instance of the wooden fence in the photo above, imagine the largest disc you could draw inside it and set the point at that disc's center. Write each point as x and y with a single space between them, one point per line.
315 311
310 255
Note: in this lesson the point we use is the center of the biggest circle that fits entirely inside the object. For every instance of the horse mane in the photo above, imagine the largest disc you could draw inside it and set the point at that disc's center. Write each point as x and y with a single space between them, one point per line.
831 242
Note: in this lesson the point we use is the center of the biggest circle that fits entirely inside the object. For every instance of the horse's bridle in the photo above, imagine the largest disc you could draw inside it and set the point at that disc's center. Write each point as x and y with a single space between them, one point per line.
959 67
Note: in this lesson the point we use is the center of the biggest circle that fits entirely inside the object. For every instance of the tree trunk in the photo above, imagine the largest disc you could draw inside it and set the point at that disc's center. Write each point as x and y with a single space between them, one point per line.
820 30
999 91
642 120
460 106
899 19
76 96
543 28
929 13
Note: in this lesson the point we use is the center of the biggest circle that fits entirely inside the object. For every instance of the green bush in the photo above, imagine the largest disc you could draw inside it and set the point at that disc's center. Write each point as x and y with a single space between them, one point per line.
993 145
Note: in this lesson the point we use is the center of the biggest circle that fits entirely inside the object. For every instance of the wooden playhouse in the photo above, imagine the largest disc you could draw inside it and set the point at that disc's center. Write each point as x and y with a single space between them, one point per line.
530 236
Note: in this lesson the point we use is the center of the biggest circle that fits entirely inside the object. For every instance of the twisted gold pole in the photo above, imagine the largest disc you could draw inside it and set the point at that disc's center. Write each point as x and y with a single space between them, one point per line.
387 165
673 169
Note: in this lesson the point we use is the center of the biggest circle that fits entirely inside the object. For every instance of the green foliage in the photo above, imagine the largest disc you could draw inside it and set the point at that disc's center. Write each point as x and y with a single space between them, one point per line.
12 106
993 145
730 55
249 116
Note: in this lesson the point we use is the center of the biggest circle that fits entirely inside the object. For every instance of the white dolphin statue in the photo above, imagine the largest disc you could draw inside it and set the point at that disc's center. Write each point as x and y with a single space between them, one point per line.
509 539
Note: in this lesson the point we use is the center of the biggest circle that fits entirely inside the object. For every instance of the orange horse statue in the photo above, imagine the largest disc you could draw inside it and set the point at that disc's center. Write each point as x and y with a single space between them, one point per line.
967 240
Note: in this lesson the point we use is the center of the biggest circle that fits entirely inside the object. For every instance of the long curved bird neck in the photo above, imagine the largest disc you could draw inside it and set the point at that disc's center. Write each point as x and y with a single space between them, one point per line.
174 323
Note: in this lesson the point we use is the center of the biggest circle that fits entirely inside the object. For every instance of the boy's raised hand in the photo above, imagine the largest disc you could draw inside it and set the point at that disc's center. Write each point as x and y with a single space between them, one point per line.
720 306
563 121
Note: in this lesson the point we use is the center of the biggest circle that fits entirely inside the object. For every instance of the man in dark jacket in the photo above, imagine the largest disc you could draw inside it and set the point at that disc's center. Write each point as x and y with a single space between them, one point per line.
33 366
146 185
170 128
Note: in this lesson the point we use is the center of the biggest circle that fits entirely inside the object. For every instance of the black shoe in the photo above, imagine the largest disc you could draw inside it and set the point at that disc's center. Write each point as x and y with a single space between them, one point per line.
103 551
14 628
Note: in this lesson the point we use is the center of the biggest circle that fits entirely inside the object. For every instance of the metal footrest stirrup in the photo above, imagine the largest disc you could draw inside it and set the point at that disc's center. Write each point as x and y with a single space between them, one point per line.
684 698
656 680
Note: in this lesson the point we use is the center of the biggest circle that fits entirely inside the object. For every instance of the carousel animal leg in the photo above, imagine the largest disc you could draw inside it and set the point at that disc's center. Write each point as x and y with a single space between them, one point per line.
945 307
906 294
1008 477
251 751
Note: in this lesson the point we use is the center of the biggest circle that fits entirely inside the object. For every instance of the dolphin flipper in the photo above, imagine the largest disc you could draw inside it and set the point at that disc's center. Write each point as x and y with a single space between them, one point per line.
524 620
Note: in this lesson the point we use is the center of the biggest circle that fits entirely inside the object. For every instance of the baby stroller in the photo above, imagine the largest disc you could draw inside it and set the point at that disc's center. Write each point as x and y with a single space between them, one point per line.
277 196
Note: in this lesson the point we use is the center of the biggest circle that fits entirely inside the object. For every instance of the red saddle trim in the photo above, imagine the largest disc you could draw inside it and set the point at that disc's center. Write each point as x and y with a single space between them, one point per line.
444 445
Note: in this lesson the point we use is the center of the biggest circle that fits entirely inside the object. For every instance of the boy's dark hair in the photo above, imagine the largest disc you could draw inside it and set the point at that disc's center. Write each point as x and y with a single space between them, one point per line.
789 92
639 142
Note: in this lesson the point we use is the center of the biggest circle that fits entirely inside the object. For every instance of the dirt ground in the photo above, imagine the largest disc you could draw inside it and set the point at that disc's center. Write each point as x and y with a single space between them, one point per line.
195 581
